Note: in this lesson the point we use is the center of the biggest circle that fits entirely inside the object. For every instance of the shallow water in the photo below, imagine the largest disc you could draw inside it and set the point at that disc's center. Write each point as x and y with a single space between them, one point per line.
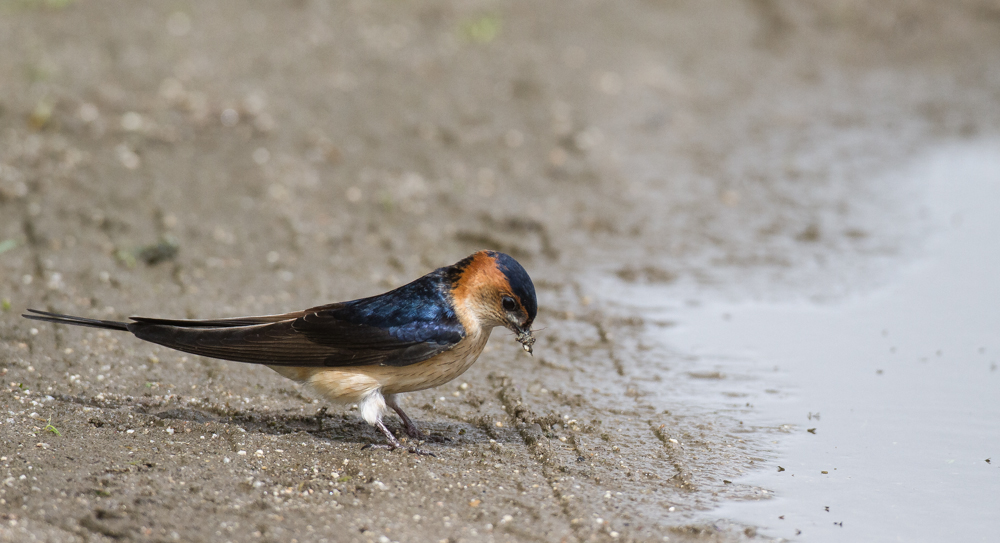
891 398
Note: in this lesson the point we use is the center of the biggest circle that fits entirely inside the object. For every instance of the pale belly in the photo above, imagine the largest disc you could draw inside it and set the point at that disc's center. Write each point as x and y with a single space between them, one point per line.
352 384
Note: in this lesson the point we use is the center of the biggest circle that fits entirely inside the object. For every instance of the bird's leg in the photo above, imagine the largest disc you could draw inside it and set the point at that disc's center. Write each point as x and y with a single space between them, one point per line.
411 428
393 442
371 410
408 424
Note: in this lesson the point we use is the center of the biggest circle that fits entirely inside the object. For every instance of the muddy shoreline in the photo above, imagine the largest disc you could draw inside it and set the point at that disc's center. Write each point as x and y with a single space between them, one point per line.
212 160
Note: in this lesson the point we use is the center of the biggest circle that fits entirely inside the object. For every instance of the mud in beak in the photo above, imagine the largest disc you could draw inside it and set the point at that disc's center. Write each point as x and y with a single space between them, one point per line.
526 340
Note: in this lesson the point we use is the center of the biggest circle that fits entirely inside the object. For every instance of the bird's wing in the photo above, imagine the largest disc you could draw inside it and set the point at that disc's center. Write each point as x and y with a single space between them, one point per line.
219 323
318 337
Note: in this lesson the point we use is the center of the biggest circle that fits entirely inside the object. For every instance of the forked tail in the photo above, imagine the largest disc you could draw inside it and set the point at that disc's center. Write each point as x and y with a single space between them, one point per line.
45 316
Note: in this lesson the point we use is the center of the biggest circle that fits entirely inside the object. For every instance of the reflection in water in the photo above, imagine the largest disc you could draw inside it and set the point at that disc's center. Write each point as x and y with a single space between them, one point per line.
892 399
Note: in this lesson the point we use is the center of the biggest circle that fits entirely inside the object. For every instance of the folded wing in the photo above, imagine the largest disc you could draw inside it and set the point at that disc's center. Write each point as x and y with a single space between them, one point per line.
327 336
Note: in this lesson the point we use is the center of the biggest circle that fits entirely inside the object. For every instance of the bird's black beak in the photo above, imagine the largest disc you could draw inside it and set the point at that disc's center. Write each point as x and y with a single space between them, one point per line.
525 338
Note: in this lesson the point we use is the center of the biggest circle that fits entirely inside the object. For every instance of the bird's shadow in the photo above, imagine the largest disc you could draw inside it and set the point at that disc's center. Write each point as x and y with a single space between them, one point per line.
344 427
337 427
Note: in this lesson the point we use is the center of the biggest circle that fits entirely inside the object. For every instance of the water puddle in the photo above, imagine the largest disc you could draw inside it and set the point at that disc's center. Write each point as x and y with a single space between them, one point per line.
890 399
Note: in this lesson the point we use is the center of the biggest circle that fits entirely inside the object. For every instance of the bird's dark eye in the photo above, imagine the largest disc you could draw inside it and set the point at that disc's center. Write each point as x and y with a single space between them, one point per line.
508 303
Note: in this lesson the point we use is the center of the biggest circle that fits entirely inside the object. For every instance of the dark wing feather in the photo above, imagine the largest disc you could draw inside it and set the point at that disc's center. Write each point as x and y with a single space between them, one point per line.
220 323
408 325
329 343
274 343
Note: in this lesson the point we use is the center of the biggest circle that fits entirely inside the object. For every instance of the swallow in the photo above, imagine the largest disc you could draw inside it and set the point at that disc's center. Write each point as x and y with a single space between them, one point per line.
366 351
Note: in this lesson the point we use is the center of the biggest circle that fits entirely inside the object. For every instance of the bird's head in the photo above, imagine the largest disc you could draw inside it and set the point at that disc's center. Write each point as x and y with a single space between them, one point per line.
496 290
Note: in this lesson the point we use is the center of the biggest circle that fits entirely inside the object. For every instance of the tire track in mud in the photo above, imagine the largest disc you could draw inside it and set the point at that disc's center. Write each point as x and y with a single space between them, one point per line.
511 402
598 459
584 474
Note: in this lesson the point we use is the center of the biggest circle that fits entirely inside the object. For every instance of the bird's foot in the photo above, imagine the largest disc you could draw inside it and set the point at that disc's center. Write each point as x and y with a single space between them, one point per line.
393 442
409 426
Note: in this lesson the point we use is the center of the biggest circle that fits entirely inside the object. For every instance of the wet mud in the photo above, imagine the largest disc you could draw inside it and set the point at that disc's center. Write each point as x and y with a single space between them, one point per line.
203 160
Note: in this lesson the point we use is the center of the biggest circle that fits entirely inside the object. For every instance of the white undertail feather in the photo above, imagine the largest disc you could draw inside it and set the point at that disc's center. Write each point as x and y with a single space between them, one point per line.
372 406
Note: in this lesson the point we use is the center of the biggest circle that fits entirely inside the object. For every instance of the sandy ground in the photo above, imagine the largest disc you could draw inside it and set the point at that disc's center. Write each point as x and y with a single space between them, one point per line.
199 160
